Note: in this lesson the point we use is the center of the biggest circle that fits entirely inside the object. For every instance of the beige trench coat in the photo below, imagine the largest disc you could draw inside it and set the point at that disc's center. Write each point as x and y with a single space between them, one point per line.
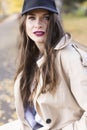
65 108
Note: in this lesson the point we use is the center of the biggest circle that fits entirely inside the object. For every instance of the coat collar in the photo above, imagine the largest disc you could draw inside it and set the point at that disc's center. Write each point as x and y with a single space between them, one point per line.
65 40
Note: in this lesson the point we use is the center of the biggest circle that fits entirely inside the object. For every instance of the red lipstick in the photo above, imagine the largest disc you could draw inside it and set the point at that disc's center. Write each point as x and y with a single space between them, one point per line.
39 33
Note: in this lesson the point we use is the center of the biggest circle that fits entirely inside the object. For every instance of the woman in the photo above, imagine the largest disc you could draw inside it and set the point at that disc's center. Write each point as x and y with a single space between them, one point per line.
51 82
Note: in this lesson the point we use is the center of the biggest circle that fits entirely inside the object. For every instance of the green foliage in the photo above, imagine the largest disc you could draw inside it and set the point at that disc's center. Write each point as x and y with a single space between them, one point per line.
73 5
70 2
82 9
80 12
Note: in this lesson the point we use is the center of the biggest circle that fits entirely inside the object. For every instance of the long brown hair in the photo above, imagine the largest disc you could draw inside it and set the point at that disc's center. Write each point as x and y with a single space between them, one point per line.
29 54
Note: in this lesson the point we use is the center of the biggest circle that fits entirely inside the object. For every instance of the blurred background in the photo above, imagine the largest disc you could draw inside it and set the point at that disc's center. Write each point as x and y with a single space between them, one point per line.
74 20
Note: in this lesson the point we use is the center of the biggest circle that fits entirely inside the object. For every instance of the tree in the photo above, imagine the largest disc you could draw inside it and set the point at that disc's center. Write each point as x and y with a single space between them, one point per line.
69 2
70 5
8 7
14 6
3 8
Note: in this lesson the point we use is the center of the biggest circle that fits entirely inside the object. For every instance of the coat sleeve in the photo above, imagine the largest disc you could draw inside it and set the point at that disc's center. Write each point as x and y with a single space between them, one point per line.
78 80
77 73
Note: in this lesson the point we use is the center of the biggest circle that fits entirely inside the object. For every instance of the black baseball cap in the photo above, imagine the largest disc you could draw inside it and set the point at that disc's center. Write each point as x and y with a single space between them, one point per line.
30 5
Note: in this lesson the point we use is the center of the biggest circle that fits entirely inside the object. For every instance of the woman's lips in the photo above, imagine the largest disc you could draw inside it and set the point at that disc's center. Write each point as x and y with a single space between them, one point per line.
39 33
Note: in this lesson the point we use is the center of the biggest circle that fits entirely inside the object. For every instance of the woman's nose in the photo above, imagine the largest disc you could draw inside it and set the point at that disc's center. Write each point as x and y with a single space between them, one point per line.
38 23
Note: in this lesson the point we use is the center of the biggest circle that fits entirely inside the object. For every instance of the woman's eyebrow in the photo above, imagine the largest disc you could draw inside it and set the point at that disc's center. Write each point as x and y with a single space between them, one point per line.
30 14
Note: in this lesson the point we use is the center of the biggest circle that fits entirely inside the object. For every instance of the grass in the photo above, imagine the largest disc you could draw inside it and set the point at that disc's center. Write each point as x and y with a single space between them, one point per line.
77 26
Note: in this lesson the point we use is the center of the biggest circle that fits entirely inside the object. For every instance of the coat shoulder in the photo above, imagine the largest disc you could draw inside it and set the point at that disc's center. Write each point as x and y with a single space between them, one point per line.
69 51
73 52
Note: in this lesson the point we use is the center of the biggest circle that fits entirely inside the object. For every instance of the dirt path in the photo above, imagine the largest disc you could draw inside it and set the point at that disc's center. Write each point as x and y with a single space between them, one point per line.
8 40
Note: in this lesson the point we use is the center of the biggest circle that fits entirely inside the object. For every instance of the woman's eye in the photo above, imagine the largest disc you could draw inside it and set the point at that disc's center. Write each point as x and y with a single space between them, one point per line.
31 17
47 17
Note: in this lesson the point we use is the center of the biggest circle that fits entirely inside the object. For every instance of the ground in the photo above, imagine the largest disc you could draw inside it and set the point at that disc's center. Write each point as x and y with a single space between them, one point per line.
8 47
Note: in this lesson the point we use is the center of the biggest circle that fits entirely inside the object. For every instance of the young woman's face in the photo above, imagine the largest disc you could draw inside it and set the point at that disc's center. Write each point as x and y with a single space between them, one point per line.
37 22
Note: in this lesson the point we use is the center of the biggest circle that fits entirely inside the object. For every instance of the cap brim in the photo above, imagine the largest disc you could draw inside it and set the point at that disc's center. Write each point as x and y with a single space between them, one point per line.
41 7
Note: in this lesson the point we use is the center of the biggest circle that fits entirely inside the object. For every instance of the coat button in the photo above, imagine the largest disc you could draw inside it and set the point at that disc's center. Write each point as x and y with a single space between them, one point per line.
48 121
